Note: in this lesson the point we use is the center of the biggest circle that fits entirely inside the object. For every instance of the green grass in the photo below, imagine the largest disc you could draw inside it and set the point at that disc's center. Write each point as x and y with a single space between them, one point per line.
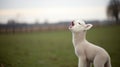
54 49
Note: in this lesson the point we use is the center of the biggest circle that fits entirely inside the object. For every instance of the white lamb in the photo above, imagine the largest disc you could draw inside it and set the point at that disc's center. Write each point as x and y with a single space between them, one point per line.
87 52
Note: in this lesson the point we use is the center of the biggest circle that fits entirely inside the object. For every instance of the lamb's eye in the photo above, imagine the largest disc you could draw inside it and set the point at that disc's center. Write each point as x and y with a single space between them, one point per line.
79 23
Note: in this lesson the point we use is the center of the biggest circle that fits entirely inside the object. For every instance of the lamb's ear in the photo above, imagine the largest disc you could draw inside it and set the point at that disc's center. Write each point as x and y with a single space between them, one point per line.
88 26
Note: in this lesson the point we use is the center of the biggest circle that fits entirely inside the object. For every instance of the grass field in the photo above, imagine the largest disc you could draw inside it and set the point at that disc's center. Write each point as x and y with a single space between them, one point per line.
54 49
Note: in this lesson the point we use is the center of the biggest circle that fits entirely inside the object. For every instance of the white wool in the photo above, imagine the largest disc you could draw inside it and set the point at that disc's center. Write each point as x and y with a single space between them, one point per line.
87 52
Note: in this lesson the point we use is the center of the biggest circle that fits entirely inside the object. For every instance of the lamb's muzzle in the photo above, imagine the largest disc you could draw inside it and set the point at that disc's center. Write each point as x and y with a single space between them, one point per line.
72 24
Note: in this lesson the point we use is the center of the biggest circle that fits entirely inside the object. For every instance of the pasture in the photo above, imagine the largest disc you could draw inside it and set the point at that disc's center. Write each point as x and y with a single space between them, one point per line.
54 48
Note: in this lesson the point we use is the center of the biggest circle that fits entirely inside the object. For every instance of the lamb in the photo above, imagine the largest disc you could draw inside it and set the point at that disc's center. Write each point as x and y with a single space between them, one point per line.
87 52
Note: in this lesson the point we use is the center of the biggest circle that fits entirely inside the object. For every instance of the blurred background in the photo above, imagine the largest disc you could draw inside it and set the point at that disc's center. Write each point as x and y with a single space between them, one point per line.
34 33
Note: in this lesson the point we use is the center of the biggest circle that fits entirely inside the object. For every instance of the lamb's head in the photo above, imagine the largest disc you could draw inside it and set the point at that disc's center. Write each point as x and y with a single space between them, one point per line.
79 25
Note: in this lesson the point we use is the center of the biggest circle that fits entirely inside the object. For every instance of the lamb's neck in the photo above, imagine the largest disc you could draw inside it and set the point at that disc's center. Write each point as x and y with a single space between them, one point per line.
79 37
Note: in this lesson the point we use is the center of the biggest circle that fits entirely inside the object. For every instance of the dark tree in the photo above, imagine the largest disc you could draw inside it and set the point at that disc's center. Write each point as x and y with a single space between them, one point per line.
113 10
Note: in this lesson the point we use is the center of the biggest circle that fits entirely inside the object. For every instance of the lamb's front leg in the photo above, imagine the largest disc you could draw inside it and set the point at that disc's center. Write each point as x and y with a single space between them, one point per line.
82 62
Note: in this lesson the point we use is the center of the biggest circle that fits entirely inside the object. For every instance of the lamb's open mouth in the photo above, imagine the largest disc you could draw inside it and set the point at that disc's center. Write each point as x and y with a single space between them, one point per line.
72 24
